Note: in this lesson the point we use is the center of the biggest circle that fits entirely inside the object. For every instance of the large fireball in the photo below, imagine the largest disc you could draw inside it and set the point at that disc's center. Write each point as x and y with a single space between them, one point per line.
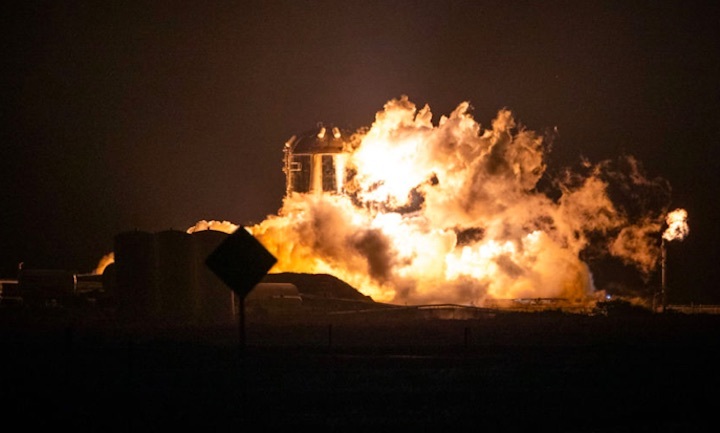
451 213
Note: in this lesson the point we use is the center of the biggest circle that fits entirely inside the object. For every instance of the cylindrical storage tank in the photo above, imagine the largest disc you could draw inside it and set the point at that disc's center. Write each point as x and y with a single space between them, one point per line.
215 299
109 285
176 277
135 274
315 161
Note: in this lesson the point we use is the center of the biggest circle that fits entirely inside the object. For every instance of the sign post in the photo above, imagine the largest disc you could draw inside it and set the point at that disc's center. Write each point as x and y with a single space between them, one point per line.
241 262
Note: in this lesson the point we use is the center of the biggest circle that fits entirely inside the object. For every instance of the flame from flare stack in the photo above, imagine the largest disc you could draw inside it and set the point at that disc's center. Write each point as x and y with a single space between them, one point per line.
677 226
451 213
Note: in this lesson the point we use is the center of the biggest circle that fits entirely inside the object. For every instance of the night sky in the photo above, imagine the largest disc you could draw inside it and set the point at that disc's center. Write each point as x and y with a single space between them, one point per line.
154 115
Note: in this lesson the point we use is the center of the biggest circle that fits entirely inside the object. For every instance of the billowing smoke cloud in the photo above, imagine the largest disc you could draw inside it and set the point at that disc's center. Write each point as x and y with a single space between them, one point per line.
636 244
452 212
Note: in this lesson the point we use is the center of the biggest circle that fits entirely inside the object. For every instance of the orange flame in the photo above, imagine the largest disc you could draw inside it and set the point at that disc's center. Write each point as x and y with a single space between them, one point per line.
106 260
223 226
677 227
450 213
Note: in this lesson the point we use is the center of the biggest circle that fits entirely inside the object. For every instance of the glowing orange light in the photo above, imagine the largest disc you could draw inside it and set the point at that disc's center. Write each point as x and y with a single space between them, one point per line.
677 225
450 212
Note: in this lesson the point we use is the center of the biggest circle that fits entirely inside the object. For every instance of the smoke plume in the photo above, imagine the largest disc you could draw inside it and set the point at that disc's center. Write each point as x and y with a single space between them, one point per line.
452 212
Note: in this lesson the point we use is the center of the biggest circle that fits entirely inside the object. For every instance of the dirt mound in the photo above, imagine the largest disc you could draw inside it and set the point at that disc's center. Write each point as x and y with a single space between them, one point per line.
322 285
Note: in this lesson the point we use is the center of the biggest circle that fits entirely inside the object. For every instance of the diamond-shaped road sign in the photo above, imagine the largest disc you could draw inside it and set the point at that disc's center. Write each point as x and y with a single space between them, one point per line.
240 261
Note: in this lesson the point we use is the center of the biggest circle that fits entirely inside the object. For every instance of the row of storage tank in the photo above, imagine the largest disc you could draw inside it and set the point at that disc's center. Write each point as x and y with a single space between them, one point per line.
161 277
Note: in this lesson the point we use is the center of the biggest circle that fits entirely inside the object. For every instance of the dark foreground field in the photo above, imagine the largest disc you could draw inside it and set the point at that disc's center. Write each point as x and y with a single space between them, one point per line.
505 373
